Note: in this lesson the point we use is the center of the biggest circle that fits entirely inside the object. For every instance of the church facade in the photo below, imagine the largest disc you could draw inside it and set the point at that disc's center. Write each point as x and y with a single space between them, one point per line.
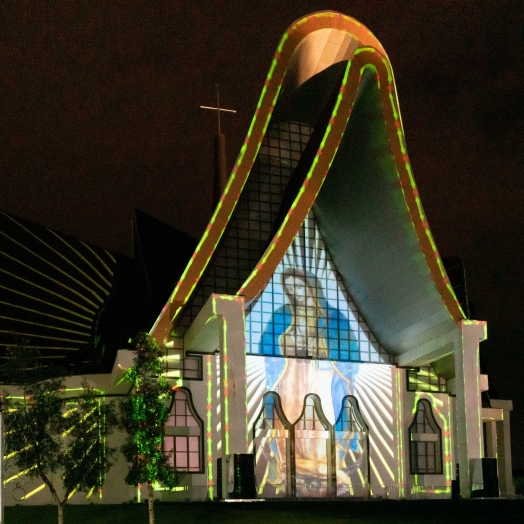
315 327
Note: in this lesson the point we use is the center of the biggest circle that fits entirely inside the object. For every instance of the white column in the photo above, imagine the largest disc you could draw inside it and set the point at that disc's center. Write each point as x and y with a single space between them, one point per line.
2 451
491 439
232 351
221 325
504 447
468 403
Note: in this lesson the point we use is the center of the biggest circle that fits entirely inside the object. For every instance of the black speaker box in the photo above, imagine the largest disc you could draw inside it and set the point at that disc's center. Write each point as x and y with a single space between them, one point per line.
490 478
243 476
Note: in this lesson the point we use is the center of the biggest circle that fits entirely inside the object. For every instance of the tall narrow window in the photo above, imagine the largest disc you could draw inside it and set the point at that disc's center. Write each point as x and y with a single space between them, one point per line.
351 449
313 464
272 448
180 414
425 446
183 434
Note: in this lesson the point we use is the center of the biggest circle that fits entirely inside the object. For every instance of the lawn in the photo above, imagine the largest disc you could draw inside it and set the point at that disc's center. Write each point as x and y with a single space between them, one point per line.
376 512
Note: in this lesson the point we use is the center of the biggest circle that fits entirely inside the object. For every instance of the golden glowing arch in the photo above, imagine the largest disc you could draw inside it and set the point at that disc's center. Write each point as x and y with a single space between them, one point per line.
367 55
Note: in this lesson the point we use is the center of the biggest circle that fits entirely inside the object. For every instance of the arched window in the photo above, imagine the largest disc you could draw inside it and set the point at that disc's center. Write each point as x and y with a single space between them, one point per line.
272 448
349 418
351 449
313 450
425 442
183 434
271 416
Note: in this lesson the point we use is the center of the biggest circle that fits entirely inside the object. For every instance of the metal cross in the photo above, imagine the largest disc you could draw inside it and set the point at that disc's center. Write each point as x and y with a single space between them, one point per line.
218 109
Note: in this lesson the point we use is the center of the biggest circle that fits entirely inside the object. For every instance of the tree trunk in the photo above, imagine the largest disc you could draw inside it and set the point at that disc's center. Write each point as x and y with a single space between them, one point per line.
60 514
60 505
150 503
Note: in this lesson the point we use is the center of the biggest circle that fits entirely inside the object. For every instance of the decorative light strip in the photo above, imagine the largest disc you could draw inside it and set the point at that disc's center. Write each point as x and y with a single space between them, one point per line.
82 258
92 311
209 428
413 194
19 474
107 268
83 334
55 267
225 381
34 492
52 249
231 182
400 434
43 336
61 319
57 282
48 303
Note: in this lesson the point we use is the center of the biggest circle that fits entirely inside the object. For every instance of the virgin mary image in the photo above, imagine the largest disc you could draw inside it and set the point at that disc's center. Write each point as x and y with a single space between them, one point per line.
312 332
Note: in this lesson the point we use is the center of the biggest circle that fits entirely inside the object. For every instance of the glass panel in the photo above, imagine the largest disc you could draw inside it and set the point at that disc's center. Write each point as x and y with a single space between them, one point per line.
181 443
168 449
193 462
193 444
306 310
181 460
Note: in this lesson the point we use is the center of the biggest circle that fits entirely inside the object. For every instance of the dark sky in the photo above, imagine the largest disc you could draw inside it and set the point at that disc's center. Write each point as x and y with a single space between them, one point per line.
99 114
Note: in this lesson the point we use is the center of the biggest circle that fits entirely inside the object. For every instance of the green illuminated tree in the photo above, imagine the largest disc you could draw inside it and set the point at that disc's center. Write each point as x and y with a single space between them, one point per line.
48 433
144 415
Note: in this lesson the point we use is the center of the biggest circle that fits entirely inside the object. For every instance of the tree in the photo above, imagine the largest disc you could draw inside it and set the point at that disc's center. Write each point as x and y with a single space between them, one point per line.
144 415
49 433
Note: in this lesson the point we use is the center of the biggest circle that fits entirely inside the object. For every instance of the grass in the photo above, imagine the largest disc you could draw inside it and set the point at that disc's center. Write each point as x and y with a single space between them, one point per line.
376 512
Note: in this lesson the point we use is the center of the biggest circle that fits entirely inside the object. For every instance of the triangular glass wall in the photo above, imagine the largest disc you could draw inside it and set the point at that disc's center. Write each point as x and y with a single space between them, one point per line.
305 310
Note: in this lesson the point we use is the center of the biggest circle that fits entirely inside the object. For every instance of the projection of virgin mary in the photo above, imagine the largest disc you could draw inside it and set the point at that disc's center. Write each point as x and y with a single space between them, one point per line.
312 332
310 328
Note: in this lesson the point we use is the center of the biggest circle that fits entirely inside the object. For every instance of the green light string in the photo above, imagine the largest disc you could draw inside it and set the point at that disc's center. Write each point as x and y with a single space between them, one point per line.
407 166
234 175
400 435
209 428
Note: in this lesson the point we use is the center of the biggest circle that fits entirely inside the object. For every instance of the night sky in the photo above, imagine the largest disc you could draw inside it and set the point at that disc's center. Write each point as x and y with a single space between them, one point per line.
99 108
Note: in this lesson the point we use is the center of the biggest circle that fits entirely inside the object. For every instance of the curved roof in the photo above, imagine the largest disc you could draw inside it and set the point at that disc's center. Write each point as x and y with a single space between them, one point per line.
330 72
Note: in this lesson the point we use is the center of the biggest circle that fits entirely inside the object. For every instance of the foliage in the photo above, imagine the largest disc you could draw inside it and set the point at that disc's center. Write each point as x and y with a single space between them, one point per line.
25 366
48 433
88 457
35 423
144 414
518 481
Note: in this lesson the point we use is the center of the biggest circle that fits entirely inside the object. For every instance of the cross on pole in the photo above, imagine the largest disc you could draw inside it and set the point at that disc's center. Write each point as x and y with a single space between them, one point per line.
218 109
